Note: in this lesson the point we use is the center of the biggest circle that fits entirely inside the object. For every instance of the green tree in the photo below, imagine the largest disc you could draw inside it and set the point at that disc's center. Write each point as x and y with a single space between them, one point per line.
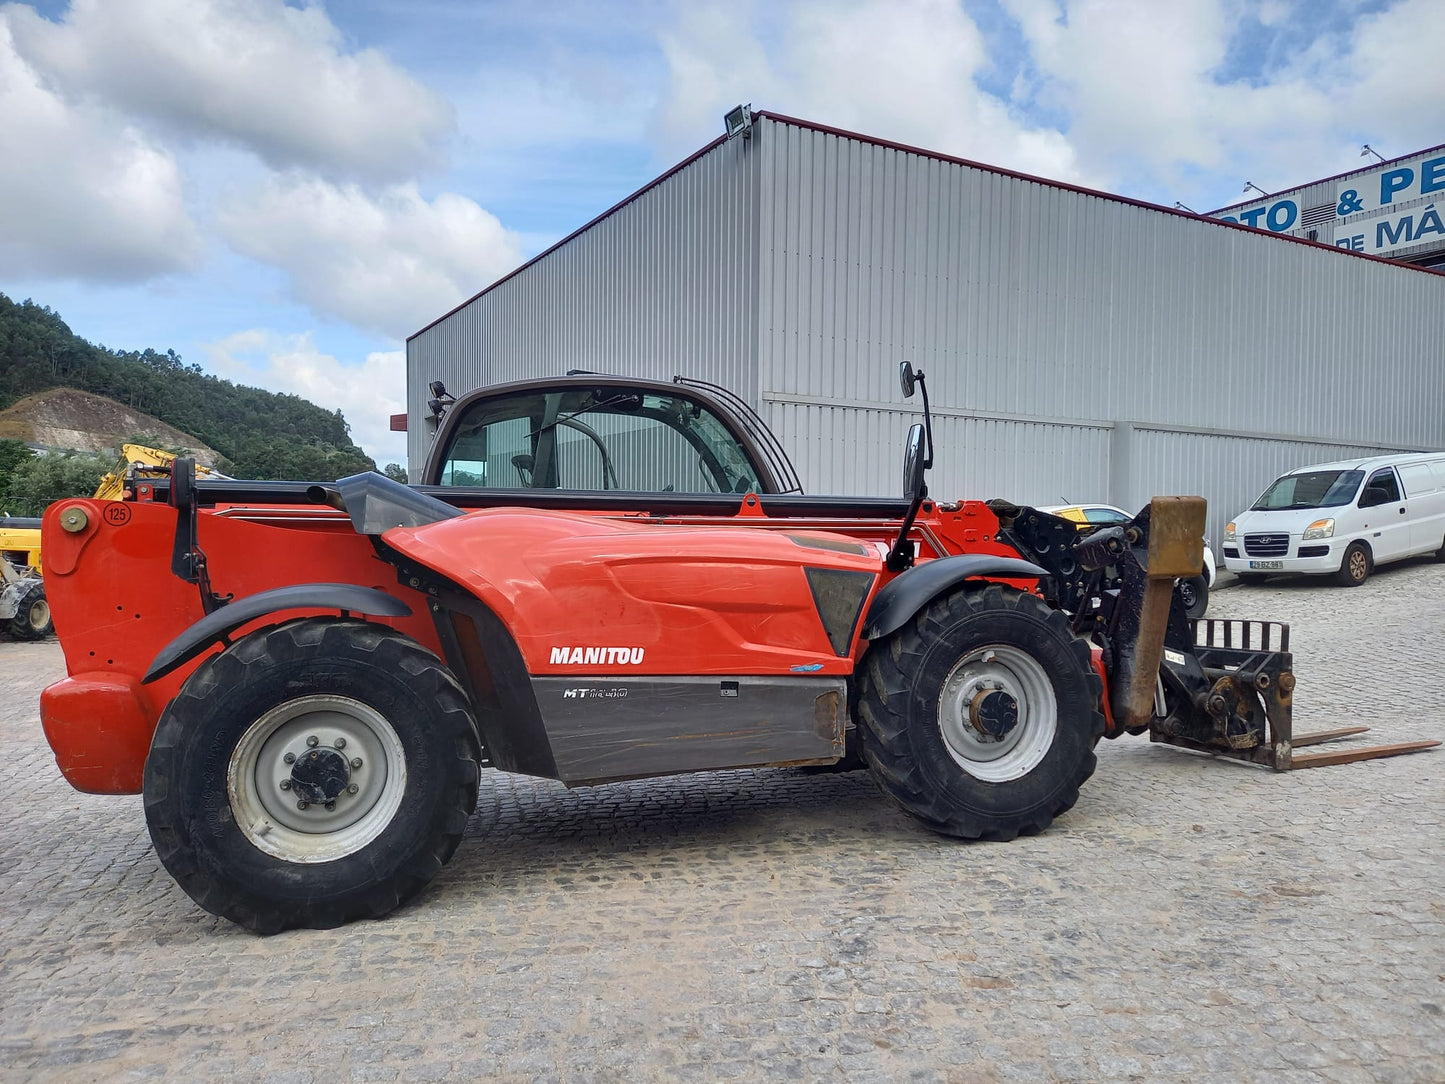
38 481
38 352
395 471
12 454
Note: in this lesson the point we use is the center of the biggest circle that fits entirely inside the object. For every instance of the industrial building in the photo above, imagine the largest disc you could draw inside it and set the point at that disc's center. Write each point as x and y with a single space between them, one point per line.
1079 346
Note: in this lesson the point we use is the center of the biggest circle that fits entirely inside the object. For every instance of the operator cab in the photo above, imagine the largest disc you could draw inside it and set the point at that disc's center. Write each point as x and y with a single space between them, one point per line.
592 433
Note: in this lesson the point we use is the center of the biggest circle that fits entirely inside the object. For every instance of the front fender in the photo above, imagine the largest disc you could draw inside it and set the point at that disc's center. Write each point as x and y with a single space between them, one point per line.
901 598
216 626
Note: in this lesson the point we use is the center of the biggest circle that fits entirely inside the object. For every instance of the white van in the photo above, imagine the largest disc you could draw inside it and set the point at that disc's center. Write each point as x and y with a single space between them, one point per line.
1342 519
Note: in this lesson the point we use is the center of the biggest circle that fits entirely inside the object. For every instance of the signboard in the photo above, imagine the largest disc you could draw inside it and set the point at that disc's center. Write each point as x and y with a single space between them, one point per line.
1384 190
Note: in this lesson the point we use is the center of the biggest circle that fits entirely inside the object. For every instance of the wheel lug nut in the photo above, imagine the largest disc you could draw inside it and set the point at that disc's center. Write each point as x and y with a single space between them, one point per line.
313 741
352 788
289 758
303 804
285 784
330 806
356 762
340 743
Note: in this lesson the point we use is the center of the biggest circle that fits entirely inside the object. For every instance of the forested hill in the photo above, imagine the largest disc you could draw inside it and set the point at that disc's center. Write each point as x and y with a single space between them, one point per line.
261 433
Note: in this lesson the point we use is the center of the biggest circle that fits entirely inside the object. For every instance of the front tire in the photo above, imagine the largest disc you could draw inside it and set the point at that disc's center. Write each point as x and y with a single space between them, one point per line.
980 716
32 611
1355 566
312 773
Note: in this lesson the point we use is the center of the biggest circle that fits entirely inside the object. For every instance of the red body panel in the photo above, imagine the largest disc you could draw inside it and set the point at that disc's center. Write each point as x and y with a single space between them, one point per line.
680 600
116 604
696 595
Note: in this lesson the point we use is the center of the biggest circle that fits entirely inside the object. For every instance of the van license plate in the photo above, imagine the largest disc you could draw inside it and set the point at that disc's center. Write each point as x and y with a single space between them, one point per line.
1266 564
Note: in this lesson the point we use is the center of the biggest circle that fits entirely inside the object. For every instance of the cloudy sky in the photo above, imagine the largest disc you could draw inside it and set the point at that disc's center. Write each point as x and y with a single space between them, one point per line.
283 192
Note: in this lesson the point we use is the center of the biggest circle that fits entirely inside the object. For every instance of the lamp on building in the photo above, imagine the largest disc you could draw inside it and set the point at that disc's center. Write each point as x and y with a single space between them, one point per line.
1181 207
440 399
1250 184
1367 149
739 121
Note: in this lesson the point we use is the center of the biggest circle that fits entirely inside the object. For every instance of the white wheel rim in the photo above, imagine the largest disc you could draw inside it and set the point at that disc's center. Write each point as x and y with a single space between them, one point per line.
258 780
39 614
1008 670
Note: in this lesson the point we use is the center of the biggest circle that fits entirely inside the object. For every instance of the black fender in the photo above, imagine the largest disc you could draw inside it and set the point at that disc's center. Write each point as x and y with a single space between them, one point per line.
215 627
905 595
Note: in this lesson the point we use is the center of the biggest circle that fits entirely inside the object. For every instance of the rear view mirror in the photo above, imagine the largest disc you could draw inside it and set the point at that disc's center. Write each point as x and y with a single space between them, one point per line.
913 463
906 379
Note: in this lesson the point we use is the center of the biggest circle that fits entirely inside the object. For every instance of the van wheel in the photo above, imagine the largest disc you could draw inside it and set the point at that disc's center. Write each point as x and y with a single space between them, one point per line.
1194 593
1355 568
1440 553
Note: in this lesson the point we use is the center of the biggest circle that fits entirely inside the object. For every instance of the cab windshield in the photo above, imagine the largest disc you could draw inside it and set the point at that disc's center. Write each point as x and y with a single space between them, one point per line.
1314 489
605 438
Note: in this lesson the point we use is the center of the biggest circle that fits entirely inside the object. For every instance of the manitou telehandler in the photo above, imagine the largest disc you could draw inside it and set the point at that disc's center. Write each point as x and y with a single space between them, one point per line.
609 579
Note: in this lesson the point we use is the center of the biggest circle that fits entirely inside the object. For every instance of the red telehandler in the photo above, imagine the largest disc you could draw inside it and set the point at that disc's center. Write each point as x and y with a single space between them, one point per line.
606 579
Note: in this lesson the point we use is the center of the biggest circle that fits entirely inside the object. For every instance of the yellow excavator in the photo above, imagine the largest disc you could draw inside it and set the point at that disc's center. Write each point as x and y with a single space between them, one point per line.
24 611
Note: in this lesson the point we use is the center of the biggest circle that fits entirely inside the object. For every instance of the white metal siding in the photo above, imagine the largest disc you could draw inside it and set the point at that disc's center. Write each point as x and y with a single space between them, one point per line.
1063 311
1078 348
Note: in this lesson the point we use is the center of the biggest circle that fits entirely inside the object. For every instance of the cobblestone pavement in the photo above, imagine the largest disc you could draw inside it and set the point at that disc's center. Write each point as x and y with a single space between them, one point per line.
1189 920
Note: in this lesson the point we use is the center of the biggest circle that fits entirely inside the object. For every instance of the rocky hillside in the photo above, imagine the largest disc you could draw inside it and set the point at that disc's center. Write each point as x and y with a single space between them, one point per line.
65 418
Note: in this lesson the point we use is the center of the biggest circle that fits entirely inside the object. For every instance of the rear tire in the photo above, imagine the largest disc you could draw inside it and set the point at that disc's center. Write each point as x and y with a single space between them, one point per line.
1355 566
32 612
924 696
228 772
1194 594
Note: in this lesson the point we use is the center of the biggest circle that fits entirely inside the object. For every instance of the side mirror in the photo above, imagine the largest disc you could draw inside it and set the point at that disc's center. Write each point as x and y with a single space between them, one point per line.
913 463
906 379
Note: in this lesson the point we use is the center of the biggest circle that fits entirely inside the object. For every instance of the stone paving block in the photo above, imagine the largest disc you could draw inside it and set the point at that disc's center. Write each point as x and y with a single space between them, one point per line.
1190 919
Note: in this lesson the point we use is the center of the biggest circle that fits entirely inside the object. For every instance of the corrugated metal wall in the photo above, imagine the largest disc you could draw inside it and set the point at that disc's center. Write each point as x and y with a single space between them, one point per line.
1078 347
1069 334
663 285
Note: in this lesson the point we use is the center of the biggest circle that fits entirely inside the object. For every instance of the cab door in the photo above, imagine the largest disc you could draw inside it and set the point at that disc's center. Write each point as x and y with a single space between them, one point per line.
1386 514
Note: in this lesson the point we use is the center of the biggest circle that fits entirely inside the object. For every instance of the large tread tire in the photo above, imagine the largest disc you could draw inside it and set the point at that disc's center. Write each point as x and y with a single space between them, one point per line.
902 688
193 800
1355 566
32 611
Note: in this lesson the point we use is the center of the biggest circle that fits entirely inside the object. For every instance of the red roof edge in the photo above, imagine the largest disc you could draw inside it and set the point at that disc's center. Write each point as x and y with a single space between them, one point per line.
940 157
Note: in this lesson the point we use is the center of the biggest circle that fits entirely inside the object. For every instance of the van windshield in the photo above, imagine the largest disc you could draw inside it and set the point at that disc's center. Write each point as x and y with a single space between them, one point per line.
1314 489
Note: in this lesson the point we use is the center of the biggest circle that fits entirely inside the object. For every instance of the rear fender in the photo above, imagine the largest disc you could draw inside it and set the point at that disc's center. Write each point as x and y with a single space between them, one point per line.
217 627
901 598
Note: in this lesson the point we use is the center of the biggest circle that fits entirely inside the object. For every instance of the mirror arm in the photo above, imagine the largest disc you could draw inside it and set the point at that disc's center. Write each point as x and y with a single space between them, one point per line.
900 556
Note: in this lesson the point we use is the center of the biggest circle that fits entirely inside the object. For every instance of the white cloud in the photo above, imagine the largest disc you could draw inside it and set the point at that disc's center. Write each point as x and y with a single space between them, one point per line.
274 78
85 195
904 70
1149 100
367 394
391 263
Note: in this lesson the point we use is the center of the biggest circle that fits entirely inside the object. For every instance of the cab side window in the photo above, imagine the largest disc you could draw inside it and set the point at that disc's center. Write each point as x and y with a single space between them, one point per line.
1381 488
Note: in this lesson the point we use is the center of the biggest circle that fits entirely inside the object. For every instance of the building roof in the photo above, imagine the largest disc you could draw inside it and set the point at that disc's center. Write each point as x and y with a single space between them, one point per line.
936 156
